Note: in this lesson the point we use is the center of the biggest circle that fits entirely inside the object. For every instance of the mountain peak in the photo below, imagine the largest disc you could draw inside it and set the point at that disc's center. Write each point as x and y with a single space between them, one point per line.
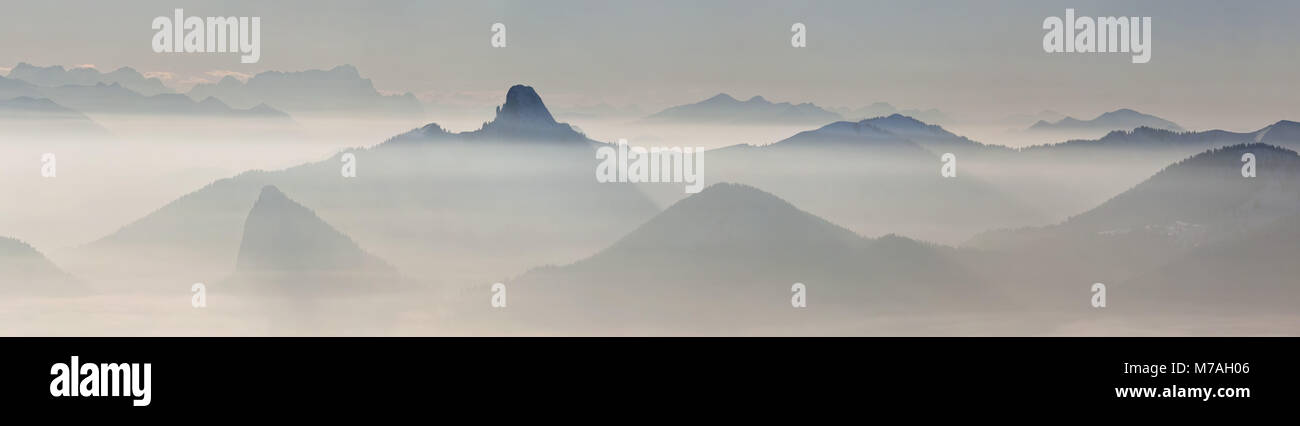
523 118
346 70
846 133
725 190
287 247
523 105
898 119
729 213
271 193
721 97
734 201
282 235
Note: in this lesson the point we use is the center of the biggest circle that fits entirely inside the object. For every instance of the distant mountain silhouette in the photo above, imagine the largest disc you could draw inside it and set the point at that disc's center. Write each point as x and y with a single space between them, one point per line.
1022 120
932 137
1194 205
285 244
1120 119
115 99
883 109
524 116
42 108
13 88
27 271
847 134
1147 138
1206 189
340 90
32 115
1073 185
55 75
724 109
1284 133
870 179
878 109
724 260
727 213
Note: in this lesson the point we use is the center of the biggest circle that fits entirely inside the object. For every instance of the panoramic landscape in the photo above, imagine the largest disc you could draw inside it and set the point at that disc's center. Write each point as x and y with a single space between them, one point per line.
345 193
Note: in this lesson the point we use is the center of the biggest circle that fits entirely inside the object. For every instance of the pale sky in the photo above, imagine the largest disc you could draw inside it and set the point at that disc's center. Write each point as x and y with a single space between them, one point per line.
1214 64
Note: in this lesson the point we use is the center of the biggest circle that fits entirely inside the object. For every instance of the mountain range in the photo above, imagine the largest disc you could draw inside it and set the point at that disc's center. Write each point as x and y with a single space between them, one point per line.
882 109
114 98
1120 119
57 75
340 90
1061 179
724 109
725 260
1199 205
824 208
868 176
26 115
1195 237
462 206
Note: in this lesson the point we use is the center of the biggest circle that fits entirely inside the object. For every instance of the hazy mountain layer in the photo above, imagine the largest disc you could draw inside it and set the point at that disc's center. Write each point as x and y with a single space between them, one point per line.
115 99
1189 207
882 109
56 75
724 109
340 90
1065 179
26 115
25 271
463 207
724 261
873 181
287 247
1121 119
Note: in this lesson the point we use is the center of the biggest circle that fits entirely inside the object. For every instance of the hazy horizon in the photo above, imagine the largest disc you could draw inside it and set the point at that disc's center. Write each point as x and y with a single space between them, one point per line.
656 56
